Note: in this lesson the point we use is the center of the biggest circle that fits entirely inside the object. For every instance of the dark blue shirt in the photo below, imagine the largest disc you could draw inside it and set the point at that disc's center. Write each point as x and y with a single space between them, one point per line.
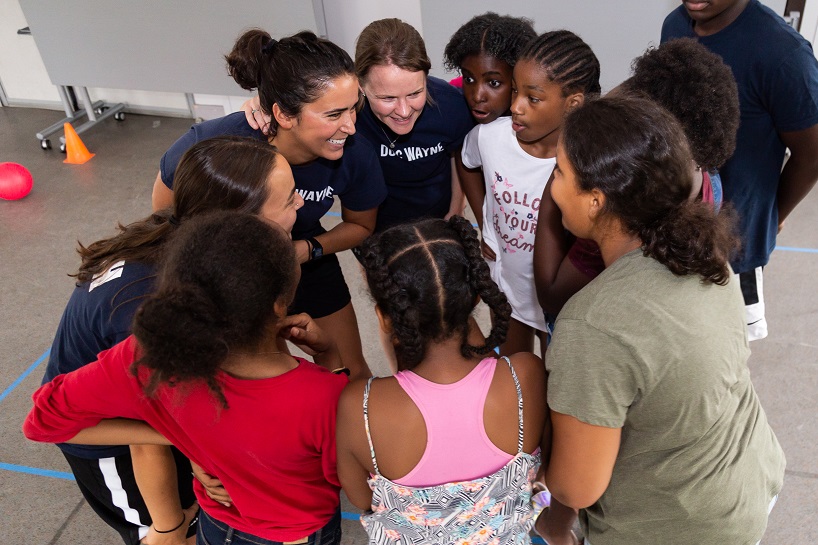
98 316
777 77
355 178
418 169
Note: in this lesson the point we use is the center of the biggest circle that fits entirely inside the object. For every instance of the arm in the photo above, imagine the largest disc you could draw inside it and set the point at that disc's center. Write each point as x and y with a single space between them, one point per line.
458 204
582 460
350 441
155 473
161 197
119 431
801 171
553 276
303 332
354 228
472 184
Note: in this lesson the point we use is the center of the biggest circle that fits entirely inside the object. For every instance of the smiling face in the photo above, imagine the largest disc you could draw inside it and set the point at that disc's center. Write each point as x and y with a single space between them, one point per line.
486 86
396 96
282 200
537 109
322 126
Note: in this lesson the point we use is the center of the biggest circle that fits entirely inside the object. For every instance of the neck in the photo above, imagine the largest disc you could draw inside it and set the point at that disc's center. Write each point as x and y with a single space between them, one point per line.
614 242
267 361
720 21
444 364
544 148
292 151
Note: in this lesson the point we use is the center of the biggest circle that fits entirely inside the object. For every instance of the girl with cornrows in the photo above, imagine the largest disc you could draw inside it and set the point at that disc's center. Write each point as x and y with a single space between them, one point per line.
554 74
417 123
117 274
203 371
455 434
658 435
308 87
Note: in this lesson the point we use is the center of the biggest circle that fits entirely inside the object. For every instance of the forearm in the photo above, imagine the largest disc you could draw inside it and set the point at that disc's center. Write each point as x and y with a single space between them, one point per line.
471 181
797 180
155 472
343 236
550 250
119 431
458 203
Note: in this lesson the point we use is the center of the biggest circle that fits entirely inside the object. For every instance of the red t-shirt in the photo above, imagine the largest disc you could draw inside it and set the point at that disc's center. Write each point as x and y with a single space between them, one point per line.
273 447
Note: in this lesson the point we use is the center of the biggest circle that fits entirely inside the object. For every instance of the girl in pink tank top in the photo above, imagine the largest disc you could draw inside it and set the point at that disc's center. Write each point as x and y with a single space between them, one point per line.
447 449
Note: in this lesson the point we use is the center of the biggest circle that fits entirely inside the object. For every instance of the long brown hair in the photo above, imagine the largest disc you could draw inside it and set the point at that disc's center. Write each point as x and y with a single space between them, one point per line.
222 173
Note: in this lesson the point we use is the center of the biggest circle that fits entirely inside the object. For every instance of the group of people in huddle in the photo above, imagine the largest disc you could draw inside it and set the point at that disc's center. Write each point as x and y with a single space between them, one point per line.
601 230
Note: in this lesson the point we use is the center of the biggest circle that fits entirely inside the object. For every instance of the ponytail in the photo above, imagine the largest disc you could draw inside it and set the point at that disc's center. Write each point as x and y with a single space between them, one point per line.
141 241
183 325
479 277
692 239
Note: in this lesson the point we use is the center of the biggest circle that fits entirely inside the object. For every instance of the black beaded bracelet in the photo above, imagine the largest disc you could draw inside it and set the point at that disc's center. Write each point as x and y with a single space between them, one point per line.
174 529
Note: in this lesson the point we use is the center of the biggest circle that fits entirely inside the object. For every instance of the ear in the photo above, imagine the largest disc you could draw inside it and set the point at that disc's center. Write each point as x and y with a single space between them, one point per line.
596 203
283 120
384 321
573 101
280 307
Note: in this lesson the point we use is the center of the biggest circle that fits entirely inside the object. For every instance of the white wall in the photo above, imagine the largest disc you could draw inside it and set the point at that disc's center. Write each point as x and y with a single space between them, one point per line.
26 81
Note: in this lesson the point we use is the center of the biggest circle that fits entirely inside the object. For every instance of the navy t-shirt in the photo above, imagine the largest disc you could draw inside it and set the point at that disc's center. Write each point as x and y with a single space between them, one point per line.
98 316
355 178
777 77
418 170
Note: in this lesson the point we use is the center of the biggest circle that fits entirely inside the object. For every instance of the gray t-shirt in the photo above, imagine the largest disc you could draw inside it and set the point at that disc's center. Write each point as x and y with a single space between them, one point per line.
664 357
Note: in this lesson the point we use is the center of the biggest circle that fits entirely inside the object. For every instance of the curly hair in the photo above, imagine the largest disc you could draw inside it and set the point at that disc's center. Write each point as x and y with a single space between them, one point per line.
567 60
635 153
426 277
222 276
697 87
500 36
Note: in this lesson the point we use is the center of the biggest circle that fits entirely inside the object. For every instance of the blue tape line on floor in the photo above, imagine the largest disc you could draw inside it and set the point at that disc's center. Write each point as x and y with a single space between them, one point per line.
26 373
792 249
37 471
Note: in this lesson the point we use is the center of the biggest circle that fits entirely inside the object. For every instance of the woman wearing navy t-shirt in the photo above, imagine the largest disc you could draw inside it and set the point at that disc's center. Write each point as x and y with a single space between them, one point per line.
308 88
416 122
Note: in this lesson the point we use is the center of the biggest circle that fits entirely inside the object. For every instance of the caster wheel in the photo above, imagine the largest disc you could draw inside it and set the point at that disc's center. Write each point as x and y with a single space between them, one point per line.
119 116
62 148
45 143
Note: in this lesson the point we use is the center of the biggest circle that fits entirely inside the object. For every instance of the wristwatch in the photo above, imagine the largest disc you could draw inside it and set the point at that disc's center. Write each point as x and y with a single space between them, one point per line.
316 250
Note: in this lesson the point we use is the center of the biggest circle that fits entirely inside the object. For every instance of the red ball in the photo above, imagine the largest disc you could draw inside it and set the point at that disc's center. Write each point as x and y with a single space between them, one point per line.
15 181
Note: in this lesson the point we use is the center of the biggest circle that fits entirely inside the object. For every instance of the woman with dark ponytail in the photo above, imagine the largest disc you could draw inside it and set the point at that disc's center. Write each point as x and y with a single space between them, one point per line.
116 275
203 371
454 421
308 87
658 435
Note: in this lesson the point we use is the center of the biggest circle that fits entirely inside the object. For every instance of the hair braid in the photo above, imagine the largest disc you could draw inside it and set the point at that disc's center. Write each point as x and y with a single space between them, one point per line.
568 60
479 277
394 302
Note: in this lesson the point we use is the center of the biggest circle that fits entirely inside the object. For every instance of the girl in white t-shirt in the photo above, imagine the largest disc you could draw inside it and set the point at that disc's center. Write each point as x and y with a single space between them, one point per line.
517 154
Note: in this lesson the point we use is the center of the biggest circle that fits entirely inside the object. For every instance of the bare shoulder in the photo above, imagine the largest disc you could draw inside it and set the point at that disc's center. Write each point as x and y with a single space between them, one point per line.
529 367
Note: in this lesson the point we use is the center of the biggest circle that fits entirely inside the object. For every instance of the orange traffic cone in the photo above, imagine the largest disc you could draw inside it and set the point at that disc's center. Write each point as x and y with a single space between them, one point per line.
75 150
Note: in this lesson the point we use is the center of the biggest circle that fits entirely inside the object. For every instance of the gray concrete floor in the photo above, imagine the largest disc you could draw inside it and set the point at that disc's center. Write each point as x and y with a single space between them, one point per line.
38 234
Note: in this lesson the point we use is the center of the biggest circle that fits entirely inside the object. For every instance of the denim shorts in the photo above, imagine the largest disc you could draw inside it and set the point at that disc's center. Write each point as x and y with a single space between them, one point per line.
215 532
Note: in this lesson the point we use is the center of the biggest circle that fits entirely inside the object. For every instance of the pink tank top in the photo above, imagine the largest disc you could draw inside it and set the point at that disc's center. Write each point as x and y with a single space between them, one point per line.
457 447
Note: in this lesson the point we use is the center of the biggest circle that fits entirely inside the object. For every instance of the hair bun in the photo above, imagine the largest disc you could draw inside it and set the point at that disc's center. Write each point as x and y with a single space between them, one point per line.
269 46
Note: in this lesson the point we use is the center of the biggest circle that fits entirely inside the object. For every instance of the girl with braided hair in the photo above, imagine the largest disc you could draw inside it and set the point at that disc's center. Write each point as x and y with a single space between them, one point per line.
511 161
455 422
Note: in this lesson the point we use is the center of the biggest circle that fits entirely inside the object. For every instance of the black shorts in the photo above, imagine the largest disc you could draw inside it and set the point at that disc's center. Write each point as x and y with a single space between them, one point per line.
322 290
109 486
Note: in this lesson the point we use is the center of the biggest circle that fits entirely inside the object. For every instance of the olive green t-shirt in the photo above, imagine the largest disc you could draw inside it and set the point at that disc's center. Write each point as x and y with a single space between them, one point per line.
664 357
